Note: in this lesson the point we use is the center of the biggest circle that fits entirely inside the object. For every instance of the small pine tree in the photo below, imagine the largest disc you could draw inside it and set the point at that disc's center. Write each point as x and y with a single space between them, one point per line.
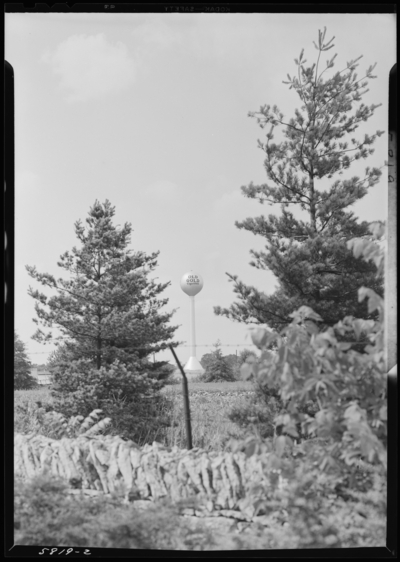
125 395
107 308
218 368
22 366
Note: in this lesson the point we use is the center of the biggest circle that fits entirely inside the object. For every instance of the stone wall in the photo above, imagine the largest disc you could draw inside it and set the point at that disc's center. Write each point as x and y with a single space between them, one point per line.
219 481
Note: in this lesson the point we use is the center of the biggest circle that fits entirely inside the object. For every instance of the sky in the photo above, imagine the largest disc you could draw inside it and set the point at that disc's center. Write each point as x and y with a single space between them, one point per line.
150 111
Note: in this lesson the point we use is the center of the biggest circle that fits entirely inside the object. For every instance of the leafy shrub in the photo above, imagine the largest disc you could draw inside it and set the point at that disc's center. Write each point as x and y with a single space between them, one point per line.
26 406
334 482
43 420
258 413
27 417
348 387
304 507
46 514
130 399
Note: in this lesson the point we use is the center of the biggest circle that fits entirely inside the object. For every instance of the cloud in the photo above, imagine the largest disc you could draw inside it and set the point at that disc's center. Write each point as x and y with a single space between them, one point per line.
91 67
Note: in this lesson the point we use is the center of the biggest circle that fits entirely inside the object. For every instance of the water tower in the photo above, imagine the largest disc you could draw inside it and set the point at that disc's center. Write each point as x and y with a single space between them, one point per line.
192 284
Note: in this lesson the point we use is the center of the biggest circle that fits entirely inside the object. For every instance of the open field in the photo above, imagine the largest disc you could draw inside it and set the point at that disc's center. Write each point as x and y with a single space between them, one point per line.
40 393
236 386
210 404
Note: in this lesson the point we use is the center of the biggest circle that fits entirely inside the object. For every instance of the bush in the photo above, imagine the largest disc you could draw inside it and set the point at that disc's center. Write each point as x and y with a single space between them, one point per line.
263 408
129 398
346 387
46 515
306 507
333 484
27 403
258 413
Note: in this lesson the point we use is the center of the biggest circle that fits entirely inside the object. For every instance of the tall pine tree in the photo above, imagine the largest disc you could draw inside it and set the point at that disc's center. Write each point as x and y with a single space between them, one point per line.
309 256
106 308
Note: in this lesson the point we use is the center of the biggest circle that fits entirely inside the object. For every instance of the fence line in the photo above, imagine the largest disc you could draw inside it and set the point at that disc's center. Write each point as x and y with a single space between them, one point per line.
151 351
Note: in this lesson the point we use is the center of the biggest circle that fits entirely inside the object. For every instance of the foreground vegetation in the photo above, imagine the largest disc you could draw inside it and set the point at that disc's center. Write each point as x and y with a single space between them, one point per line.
314 510
45 514
306 514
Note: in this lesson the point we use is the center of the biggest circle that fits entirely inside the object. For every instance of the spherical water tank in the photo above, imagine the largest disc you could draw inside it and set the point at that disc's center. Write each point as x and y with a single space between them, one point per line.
191 283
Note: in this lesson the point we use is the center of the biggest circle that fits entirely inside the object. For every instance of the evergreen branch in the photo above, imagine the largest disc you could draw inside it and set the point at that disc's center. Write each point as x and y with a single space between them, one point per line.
275 314
342 151
69 330
329 65
276 121
327 128
301 87
262 198
302 148
275 178
316 69
278 181
290 126
326 222
340 91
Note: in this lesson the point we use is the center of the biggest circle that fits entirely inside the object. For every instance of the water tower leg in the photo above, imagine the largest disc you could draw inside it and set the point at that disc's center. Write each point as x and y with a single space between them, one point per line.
193 366
192 329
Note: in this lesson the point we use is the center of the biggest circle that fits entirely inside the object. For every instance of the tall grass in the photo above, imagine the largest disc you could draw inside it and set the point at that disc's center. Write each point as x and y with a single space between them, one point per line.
210 404
28 405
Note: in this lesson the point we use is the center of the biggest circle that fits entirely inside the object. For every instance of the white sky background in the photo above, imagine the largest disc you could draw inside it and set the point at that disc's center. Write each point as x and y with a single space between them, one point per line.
150 112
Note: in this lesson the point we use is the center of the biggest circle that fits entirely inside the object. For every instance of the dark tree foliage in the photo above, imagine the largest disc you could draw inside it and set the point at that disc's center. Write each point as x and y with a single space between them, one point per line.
218 367
106 307
22 366
309 256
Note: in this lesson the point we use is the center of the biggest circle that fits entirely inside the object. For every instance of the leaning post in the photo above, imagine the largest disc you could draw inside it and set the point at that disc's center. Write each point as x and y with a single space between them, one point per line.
186 407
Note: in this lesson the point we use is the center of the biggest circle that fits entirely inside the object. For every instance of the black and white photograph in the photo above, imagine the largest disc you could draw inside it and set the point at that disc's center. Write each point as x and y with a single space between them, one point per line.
205 280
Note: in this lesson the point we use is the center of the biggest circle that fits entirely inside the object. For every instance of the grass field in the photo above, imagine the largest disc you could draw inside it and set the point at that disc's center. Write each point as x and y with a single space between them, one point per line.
226 387
210 404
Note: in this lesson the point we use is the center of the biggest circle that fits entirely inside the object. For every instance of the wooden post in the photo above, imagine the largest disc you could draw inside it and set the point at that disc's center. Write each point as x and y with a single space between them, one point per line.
186 407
